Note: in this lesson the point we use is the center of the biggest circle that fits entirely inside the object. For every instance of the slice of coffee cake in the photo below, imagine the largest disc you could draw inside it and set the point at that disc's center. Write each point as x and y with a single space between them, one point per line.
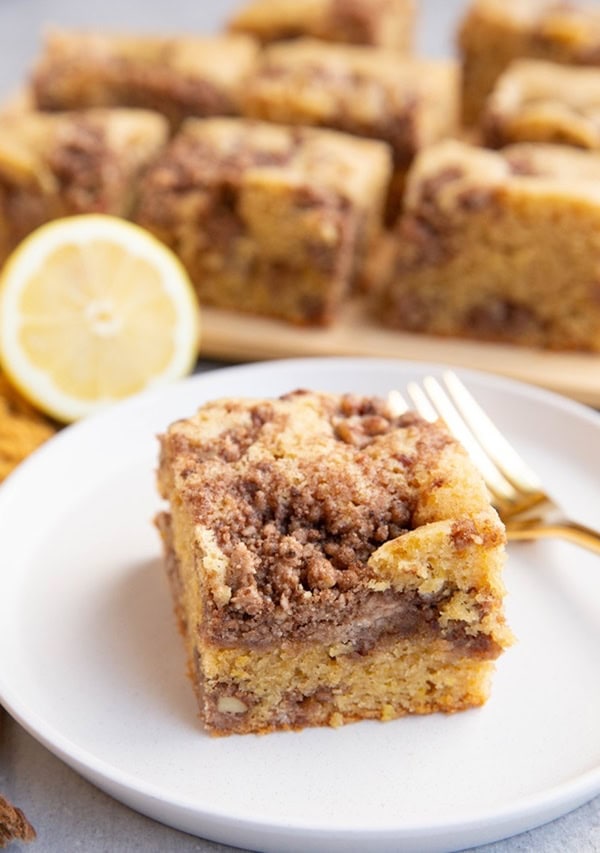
497 246
329 562
176 75
269 219
384 23
62 164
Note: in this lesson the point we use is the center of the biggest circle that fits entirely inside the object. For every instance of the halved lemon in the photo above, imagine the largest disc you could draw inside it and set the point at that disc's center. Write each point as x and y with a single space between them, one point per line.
92 310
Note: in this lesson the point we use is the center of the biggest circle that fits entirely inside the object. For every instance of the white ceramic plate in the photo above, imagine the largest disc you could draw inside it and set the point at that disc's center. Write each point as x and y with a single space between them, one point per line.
93 667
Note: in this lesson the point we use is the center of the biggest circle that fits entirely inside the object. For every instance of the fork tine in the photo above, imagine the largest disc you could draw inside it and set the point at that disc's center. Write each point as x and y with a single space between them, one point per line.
396 403
489 436
421 402
500 488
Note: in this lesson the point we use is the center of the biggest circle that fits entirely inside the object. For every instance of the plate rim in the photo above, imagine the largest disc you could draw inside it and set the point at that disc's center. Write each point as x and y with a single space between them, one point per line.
575 791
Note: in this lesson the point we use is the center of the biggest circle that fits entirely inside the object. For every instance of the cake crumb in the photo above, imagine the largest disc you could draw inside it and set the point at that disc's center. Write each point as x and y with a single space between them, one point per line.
14 826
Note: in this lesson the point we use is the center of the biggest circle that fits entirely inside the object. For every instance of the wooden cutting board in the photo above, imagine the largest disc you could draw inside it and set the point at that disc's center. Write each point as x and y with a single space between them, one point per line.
239 337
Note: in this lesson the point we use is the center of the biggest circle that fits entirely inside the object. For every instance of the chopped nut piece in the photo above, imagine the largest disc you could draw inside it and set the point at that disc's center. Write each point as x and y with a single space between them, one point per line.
231 705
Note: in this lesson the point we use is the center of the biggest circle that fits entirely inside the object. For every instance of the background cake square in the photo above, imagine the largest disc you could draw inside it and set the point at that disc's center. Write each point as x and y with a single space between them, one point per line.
61 164
500 246
267 218
495 32
388 23
179 76
536 101
407 103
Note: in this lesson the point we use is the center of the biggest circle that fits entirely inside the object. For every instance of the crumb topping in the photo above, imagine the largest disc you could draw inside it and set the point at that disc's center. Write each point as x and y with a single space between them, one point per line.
14 826
308 485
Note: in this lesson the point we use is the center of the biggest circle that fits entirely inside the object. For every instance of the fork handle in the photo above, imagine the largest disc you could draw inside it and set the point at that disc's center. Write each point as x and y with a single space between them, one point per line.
572 531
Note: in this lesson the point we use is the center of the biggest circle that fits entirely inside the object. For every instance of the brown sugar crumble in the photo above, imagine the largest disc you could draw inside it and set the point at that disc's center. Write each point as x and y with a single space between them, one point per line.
328 562
14 826
22 428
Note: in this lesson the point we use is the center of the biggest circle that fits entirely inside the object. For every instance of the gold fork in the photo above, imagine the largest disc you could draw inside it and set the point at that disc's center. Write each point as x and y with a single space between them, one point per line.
527 511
